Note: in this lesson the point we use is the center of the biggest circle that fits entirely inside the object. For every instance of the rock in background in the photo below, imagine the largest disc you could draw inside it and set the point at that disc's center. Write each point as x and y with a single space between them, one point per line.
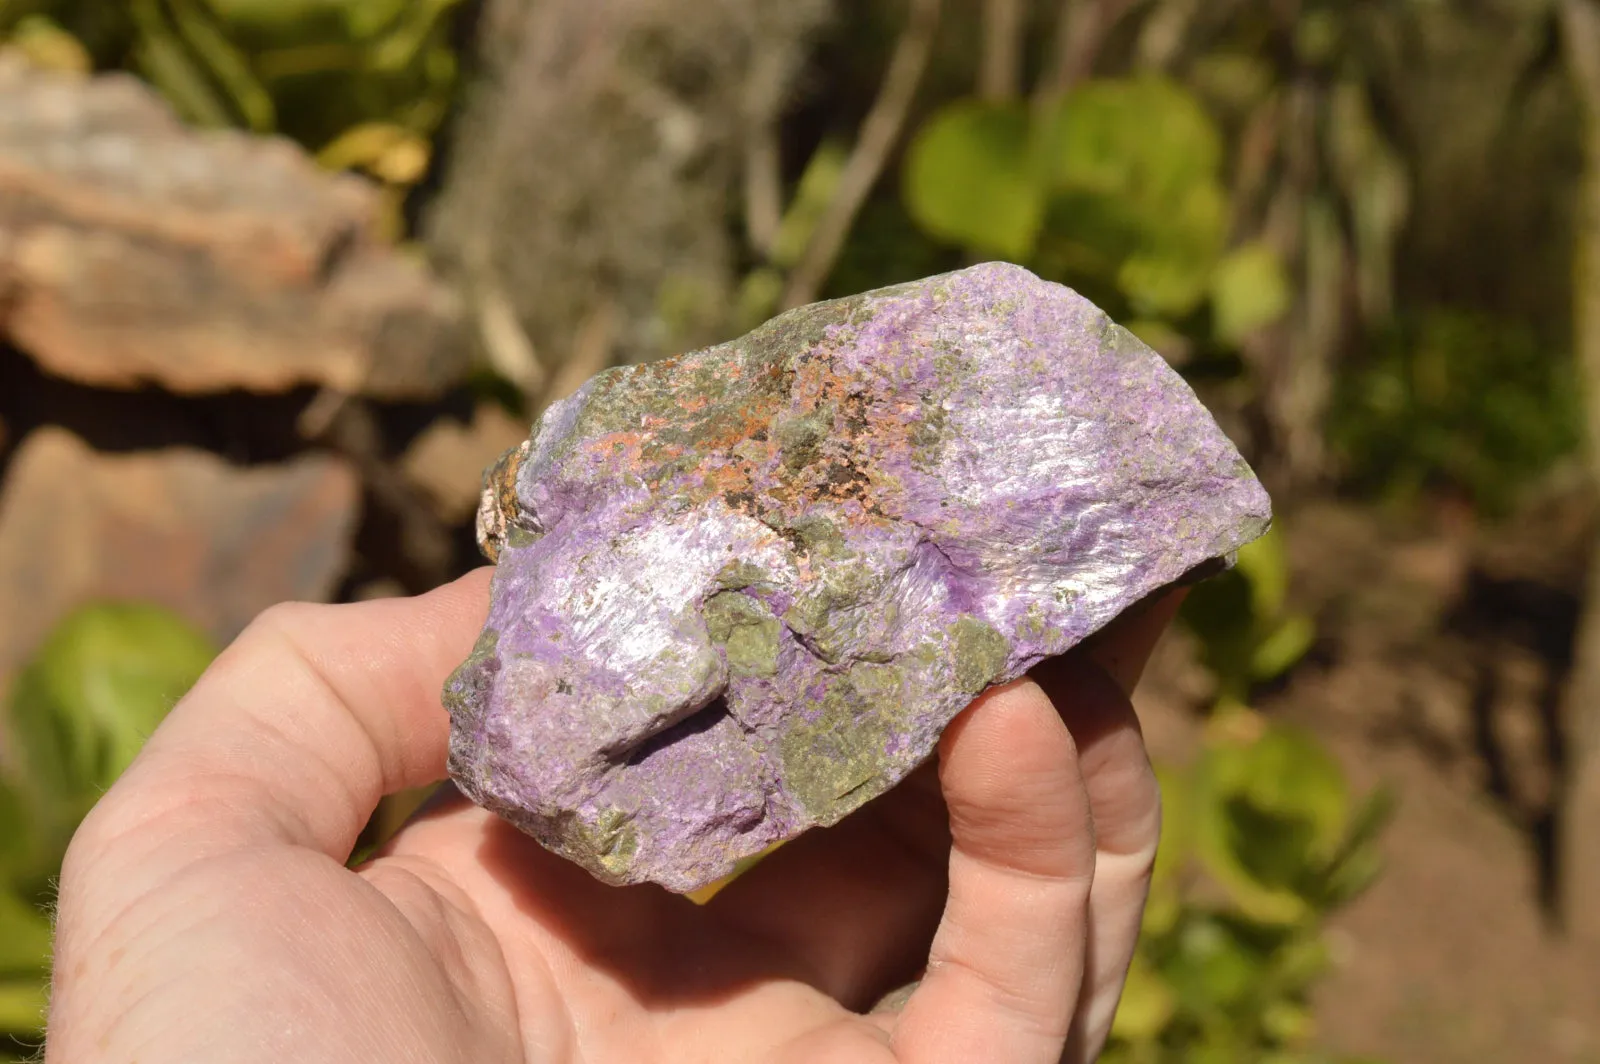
213 369
179 527
136 250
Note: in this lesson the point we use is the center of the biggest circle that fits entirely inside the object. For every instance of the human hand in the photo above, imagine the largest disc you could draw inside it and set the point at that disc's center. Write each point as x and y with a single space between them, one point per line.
206 913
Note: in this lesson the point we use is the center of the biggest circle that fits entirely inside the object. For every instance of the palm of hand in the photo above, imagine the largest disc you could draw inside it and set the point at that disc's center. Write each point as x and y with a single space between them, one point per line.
204 904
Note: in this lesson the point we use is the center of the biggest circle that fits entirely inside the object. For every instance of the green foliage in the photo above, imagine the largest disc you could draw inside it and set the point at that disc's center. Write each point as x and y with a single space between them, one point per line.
1261 842
972 179
1247 633
1118 189
78 714
1249 289
1259 845
1455 400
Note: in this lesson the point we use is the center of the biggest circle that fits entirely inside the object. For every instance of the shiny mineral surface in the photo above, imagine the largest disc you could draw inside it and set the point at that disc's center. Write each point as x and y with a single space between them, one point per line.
742 592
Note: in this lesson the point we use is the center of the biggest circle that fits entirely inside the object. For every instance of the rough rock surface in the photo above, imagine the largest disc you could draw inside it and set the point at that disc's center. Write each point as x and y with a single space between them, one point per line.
742 592
180 527
134 250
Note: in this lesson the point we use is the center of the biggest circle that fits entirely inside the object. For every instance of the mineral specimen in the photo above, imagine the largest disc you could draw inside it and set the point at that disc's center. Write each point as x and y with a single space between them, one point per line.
741 592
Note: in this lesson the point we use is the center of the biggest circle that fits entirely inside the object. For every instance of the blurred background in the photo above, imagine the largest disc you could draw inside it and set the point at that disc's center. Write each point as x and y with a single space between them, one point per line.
278 278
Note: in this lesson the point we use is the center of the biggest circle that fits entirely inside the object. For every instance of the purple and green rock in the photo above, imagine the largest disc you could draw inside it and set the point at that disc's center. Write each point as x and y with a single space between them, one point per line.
741 592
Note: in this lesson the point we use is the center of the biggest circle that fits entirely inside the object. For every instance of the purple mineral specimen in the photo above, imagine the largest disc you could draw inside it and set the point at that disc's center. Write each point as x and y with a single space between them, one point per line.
741 592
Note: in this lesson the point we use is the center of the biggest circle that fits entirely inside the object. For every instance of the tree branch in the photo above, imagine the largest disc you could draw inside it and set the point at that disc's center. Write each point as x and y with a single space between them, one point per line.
1578 813
763 190
1000 73
879 132
1081 32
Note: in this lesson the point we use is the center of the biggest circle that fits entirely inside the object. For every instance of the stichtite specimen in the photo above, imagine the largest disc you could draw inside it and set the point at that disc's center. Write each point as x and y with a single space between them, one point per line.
741 592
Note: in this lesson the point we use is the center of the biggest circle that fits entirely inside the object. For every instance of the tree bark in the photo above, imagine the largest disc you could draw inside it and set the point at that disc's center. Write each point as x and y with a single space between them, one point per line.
1578 856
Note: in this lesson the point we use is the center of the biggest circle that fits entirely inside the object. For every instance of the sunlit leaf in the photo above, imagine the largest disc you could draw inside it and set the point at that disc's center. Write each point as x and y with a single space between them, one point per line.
96 689
1359 861
49 46
24 937
1165 281
1213 968
22 1004
18 835
1272 812
388 150
1249 290
1265 565
970 179
367 19
169 66
1134 165
1147 139
1301 959
1147 1004
812 194
1282 647
1287 1021
1165 901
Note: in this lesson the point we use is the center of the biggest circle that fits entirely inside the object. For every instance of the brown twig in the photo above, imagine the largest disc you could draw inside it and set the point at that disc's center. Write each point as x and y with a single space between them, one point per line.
879 132
1081 31
763 190
592 350
1000 71
510 351
1162 36
763 160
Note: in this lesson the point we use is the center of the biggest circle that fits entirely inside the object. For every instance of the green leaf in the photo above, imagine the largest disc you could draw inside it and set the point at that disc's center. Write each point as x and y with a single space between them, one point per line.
1287 1022
167 65
1164 281
1359 862
367 19
1165 903
1133 166
970 179
47 45
812 195
1146 139
281 17
103 680
1265 565
22 1004
1279 651
19 843
228 65
1213 969
1272 814
1249 290
1222 616
24 937
1146 1007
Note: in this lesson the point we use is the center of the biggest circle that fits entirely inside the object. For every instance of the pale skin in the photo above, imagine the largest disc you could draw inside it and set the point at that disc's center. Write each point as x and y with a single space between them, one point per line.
206 913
